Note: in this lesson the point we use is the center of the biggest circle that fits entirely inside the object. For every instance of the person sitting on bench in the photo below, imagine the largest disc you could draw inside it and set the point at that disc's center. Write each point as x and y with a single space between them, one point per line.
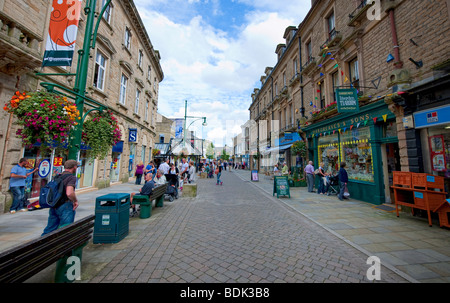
145 190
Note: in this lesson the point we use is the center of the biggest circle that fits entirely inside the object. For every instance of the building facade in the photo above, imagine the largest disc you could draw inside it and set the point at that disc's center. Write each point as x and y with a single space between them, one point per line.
397 67
124 75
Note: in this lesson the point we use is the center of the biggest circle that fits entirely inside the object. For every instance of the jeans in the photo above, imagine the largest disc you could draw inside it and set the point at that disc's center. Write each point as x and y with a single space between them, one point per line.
341 190
218 178
138 179
321 186
310 181
18 198
59 217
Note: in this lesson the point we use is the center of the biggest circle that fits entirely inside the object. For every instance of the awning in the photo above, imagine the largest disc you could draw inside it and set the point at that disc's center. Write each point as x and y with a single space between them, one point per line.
284 147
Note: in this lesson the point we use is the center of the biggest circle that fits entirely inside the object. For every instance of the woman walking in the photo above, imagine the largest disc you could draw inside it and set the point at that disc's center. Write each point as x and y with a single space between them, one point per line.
343 180
219 173
139 172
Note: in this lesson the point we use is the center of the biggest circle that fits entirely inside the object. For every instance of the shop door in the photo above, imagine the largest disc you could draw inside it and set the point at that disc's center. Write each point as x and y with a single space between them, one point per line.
115 167
391 163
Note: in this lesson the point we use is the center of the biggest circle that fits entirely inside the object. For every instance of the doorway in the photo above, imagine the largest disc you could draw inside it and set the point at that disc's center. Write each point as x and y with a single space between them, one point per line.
391 162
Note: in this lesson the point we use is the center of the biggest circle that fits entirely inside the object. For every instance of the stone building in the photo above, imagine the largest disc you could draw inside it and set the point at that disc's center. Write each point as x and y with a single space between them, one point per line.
393 55
124 75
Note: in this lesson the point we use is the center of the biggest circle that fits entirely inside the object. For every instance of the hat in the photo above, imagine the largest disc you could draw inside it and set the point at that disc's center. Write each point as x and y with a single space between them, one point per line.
70 164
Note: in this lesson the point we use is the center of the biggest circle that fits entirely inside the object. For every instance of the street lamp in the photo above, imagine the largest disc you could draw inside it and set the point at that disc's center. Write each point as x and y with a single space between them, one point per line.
185 119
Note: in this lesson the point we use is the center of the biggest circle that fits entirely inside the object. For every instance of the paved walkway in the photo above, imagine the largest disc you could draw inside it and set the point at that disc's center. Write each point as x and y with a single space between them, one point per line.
230 233
406 244
239 232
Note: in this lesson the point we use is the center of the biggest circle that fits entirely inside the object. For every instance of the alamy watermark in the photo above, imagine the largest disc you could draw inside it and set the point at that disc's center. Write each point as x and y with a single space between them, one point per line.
374 12
374 271
74 270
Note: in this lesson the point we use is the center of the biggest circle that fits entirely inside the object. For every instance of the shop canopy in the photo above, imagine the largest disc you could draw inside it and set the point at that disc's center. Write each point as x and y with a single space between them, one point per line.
164 149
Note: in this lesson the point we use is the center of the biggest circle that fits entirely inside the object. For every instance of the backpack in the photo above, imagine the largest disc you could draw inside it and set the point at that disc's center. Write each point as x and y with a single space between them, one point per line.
52 193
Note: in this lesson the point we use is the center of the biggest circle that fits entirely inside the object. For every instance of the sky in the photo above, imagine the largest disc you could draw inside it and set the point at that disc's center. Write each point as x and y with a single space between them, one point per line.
213 54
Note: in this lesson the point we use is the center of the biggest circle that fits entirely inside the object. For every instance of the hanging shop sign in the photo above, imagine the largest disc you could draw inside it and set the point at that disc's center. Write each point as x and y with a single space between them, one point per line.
44 168
62 33
133 135
347 100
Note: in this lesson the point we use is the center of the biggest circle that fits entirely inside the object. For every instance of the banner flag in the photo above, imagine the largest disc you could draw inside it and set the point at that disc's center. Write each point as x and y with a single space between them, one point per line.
62 33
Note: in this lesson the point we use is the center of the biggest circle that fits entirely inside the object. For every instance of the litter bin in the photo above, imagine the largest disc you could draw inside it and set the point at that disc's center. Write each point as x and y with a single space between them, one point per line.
112 218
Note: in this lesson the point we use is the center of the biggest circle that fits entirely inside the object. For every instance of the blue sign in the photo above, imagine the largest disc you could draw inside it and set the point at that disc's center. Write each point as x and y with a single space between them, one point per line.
133 135
432 117
44 168
288 138
418 195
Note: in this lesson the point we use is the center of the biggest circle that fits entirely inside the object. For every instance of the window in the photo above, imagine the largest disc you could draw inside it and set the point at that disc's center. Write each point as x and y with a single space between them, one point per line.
356 151
136 102
295 67
127 41
354 73
107 13
161 138
140 58
147 106
149 73
123 89
309 51
321 95
331 26
99 75
335 84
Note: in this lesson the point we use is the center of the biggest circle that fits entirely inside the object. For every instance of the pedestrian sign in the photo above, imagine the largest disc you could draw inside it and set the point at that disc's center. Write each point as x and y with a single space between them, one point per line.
281 187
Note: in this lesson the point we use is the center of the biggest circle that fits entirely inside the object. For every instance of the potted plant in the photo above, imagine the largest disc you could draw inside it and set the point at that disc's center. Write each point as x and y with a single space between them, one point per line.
46 118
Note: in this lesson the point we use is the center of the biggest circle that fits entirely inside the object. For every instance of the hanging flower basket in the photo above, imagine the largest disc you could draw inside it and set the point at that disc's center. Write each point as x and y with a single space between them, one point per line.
101 133
46 118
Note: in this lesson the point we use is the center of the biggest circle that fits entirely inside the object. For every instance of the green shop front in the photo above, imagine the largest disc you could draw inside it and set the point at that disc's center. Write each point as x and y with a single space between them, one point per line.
366 139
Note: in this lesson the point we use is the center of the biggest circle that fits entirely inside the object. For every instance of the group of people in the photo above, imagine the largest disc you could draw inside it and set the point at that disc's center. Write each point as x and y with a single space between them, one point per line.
184 171
61 214
324 177
284 170
214 168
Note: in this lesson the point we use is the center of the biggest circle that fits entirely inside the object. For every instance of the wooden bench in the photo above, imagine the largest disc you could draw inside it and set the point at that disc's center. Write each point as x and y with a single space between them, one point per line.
24 261
146 201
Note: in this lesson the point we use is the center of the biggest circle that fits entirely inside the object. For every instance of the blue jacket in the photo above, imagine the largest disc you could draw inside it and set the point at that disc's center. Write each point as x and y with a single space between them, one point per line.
343 176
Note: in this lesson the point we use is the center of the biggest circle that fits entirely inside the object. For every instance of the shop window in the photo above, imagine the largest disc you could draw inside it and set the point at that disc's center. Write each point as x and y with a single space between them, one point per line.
390 129
329 153
356 151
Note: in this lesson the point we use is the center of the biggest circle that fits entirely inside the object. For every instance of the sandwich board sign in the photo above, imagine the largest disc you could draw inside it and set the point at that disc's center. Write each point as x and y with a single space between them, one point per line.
281 187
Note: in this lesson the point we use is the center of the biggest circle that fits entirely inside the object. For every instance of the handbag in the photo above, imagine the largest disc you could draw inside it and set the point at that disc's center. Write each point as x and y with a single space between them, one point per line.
216 171
346 193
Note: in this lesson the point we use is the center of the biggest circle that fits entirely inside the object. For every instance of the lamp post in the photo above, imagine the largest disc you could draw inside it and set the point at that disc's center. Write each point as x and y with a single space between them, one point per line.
185 119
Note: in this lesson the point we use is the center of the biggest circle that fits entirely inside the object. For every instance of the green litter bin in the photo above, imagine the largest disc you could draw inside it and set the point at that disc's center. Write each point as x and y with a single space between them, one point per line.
112 218
145 206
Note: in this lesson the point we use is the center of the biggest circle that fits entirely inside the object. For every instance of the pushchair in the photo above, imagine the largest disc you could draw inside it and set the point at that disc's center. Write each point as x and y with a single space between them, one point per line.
172 187
332 185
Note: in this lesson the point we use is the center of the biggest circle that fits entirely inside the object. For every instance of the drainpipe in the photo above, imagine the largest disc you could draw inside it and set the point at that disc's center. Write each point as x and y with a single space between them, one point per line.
302 109
398 63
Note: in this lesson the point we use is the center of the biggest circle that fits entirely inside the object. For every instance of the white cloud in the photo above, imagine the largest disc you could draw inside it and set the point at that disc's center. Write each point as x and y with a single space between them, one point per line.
215 72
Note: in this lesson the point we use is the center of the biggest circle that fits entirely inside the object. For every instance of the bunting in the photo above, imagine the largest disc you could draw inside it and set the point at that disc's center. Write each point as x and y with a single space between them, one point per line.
385 118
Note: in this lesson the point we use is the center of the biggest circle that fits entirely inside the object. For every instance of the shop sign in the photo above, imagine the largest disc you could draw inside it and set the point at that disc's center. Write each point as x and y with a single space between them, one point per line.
132 135
433 117
44 168
347 100
255 175
58 161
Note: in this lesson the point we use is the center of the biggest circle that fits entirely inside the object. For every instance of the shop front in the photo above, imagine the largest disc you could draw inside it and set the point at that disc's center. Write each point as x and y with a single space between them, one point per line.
116 156
434 126
366 141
